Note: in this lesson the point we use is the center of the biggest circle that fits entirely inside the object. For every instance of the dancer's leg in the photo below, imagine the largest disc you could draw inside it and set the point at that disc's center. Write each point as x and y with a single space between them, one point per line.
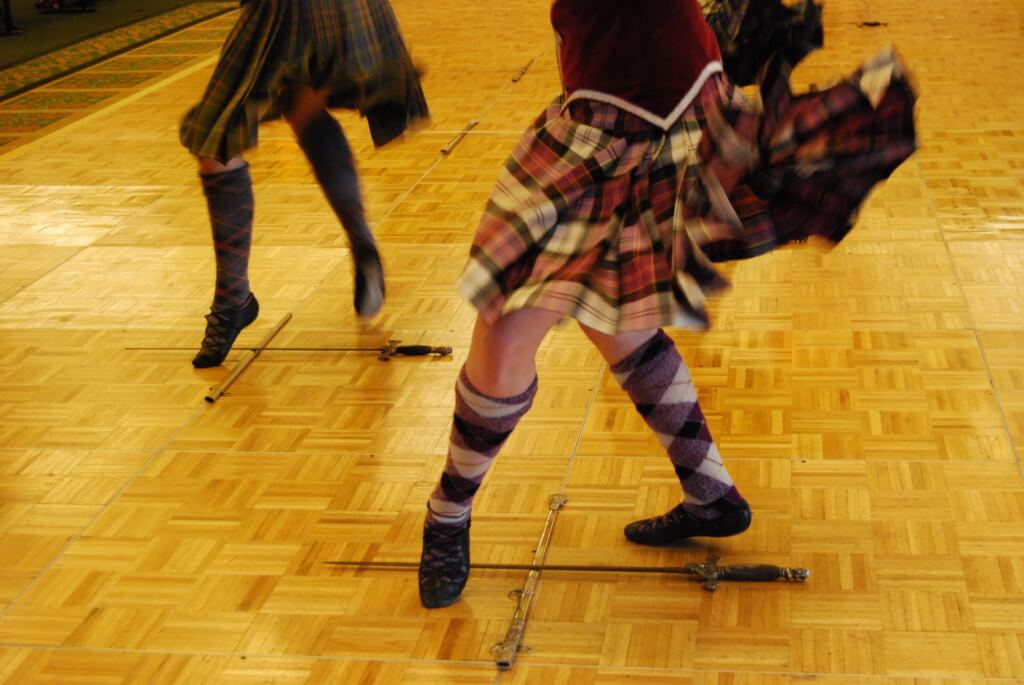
229 200
325 146
651 371
495 389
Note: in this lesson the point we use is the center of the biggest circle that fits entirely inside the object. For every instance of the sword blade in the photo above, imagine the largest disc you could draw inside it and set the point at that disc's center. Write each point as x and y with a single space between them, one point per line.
679 570
709 571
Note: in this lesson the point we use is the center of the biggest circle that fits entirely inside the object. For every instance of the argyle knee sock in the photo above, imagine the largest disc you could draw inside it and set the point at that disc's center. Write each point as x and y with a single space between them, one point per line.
229 201
328 152
479 428
657 380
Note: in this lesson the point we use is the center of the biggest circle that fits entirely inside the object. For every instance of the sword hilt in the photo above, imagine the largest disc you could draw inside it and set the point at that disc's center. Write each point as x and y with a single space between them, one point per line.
393 349
422 350
711 572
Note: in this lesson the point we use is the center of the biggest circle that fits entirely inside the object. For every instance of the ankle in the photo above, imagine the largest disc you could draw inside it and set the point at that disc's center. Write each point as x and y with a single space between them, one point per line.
364 247
706 512
728 503
223 304
450 519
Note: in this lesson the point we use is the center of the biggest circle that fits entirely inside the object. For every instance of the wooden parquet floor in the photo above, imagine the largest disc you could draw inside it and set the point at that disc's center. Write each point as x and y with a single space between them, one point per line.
869 401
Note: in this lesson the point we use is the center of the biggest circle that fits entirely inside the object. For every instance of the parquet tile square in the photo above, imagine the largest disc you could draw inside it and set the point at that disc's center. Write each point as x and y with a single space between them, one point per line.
949 653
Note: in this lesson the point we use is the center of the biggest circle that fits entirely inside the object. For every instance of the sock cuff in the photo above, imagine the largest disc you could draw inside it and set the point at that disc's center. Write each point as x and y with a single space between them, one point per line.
456 515
474 396
648 350
231 180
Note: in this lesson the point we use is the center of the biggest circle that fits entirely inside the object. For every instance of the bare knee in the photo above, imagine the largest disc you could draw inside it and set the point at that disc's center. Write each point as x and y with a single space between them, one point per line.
502 362
616 347
210 165
502 356
304 105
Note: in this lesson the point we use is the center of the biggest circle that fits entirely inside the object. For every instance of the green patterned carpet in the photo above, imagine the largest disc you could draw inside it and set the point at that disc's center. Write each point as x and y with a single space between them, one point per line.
44 91
36 71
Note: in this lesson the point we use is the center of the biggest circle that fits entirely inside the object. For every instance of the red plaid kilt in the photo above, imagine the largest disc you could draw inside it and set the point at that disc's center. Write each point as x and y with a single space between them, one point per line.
353 48
607 218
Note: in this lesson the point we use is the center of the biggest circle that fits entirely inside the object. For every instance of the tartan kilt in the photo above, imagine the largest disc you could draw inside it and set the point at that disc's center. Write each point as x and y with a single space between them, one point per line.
608 219
353 48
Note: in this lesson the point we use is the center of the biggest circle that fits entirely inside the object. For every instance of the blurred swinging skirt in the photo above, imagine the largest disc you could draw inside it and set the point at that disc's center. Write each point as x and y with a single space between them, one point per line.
352 49
615 218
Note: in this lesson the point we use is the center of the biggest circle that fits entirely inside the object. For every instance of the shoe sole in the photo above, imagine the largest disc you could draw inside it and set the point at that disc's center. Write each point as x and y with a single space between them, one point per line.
439 605
679 540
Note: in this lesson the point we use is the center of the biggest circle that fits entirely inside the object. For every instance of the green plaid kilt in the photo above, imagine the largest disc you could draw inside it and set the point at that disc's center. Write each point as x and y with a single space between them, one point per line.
351 47
750 34
604 217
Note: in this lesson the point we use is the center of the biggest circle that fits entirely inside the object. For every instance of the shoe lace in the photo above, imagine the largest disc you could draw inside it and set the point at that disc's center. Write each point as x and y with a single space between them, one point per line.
670 519
442 552
217 329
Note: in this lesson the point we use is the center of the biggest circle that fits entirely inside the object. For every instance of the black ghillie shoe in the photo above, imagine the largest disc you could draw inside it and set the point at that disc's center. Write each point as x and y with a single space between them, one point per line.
369 288
679 524
444 564
222 327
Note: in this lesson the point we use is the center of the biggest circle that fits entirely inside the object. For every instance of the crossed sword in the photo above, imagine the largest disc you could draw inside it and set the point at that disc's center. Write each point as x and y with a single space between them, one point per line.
709 572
